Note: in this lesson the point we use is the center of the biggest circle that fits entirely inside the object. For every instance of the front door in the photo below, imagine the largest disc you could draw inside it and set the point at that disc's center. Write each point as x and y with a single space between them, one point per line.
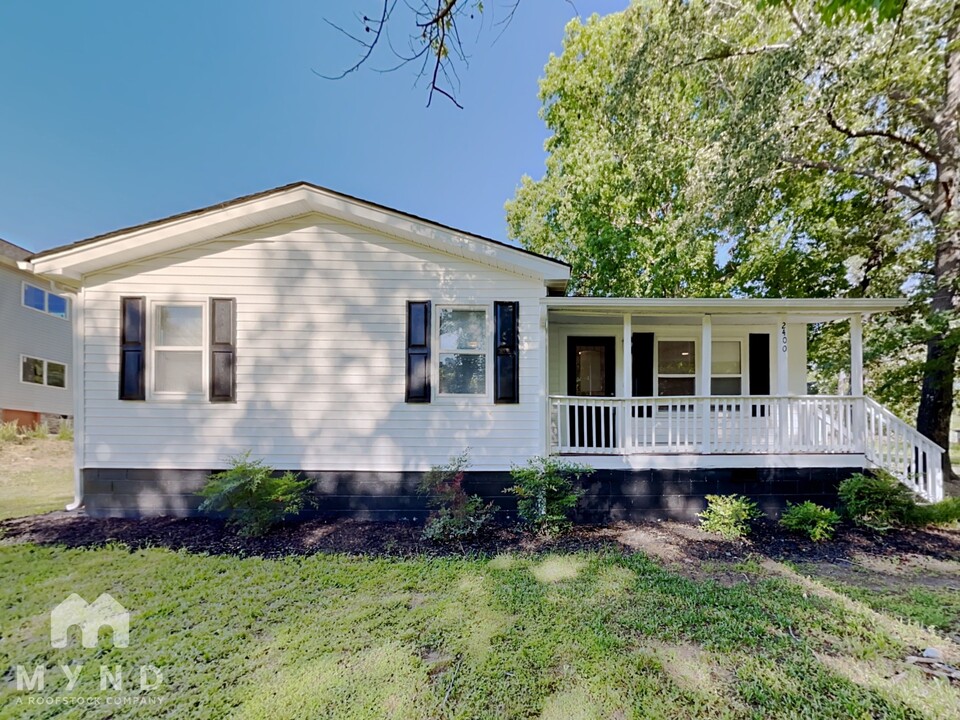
591 372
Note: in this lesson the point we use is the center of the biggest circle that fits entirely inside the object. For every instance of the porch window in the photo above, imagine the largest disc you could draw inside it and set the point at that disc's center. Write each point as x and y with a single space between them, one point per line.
676 368
726 369
178 350
463 351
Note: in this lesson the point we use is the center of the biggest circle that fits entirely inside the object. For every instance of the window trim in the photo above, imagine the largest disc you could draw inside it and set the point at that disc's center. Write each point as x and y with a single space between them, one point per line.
488 342
151 348
46 303
656 364
743 364
45 361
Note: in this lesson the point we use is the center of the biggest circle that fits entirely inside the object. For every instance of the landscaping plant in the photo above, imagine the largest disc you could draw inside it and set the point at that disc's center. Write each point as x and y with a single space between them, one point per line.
807 518
729 515
546 494
9 431
65 431
252 496
456 516
877 501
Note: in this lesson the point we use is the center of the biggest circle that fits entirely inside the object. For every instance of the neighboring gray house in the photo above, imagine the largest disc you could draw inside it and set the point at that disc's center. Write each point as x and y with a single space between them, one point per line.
36 347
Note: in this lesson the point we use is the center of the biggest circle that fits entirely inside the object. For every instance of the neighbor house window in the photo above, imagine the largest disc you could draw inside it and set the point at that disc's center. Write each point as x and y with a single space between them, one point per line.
178 349
463 351
38 371
676 368
45 301
726 375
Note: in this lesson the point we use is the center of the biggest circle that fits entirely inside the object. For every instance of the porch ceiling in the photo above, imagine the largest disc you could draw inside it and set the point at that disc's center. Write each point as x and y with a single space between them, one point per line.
732 311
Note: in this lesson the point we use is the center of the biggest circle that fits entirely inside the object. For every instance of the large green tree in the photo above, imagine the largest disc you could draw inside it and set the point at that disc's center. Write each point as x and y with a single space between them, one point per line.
706 147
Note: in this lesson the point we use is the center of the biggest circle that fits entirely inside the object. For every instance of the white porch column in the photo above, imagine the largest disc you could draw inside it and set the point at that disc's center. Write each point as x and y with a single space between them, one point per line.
856 381
706 366
626 429
546 412
783 382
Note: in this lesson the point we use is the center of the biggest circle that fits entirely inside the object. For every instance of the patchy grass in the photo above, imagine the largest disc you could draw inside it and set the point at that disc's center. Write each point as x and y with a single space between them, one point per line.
36 476
585 635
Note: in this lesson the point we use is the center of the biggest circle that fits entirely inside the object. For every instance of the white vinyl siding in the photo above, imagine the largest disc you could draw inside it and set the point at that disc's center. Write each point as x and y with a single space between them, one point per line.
26 331
321 354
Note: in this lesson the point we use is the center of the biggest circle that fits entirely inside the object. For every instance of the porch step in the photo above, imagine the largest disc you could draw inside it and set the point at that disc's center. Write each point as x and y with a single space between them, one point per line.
911 457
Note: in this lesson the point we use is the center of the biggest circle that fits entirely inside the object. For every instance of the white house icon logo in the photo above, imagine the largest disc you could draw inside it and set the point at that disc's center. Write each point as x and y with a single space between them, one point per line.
89 617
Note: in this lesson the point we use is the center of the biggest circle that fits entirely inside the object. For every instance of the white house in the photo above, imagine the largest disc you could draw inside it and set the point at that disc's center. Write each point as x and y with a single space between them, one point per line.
35 344
362 345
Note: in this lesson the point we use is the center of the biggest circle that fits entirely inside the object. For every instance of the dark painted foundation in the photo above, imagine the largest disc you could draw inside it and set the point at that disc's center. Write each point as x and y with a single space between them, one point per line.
610 494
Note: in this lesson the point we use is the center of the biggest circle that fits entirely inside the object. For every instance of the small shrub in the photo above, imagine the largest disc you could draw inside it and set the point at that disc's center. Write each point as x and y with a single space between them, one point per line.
546 494
40 431
456 516
65 431
9 431
877 501
815 521
729 515
252 496
944 512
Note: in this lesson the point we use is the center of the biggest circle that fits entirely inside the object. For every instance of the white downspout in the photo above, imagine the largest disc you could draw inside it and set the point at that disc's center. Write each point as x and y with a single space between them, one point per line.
78 396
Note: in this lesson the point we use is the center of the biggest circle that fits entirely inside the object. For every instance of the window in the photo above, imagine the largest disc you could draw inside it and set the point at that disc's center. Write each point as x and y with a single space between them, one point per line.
44 301
726 377
463 351
676 367
178 349
38 371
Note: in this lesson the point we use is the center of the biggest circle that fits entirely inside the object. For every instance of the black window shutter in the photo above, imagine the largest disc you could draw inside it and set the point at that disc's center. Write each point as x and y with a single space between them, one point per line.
418 351
642 365
506 361
759 356
132 350
223 350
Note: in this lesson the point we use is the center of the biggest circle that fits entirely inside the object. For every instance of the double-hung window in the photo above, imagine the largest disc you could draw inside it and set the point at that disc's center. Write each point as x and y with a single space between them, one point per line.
44 301
179 344
37 371
676 368
726 368
463 351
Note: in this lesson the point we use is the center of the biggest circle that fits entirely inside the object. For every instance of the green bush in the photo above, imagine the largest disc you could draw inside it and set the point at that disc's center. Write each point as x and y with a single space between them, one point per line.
944 512
456 516
252 496
40 431
877 501
729 515
546 494
815 521
65 431
9 431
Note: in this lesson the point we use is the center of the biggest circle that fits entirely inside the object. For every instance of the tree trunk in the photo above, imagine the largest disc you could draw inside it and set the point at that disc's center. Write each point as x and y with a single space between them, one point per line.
936 398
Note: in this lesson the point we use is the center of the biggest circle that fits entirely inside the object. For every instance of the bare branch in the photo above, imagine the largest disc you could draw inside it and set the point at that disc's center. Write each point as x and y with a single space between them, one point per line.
387 8
746 52
911 193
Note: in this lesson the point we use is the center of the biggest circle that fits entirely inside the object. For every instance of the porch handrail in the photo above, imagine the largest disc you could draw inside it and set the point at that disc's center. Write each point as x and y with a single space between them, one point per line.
903 451
732 424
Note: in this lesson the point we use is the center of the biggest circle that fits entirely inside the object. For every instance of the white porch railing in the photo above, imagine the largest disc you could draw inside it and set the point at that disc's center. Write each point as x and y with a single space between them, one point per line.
821 424
903 451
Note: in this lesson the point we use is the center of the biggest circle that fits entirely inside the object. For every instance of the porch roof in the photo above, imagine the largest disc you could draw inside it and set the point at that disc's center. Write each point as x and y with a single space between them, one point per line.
800 309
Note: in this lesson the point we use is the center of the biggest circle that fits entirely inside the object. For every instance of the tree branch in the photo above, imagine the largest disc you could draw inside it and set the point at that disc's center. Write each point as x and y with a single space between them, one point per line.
746 52
911 193
908 142
381 24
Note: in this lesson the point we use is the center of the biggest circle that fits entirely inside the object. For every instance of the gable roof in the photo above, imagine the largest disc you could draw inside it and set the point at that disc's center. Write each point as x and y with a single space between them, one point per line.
11 254
119 247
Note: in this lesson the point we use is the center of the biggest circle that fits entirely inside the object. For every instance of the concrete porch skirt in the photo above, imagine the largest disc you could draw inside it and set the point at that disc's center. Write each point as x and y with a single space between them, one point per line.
389 496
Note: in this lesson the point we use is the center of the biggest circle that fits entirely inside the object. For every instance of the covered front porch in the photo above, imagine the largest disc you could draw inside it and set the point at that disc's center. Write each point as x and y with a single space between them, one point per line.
635 377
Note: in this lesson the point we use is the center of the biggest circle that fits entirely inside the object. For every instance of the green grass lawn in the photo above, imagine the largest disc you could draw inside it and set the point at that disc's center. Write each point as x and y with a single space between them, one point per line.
36 476
593 635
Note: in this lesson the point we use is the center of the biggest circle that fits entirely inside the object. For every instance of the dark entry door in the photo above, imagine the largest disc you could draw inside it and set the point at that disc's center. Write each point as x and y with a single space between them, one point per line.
591 372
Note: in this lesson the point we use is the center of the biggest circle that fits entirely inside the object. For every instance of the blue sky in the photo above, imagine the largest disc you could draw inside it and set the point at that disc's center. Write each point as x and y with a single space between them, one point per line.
117 113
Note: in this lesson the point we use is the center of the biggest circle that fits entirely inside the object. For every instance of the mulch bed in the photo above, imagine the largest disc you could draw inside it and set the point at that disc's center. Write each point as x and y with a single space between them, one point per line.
668 540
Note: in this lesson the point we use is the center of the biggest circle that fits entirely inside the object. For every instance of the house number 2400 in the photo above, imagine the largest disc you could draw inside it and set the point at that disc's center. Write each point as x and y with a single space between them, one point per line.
783 337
